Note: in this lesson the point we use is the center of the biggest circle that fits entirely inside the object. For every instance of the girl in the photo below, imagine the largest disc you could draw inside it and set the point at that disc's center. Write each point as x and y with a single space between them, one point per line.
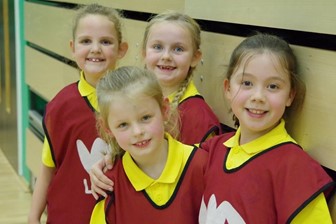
259 174
157 179
72 144
171 49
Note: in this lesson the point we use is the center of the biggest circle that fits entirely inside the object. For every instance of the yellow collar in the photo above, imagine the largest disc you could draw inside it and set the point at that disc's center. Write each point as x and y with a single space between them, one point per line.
276 136
170 173
190 91
86 90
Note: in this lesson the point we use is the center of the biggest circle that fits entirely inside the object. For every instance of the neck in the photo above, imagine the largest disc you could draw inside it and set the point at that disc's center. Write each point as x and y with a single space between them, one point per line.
167 90
155 164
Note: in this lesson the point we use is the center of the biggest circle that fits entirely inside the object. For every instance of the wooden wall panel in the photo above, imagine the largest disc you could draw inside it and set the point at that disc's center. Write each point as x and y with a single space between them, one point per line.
151 6
49 27
210 73
315 125
133 32
304 15
45 75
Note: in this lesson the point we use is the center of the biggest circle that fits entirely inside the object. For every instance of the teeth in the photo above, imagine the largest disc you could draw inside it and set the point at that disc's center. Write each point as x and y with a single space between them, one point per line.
256 111
95 59
166 67
141 143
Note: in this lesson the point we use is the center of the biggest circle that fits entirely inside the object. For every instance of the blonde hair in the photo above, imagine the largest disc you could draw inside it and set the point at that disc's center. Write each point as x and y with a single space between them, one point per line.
265 43
127 79
194 29
95 9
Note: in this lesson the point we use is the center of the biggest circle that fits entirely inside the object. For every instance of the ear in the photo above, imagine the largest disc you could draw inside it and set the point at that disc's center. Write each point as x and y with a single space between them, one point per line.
72 46
227 89
290 98
123 47
102 126
196 58
165 108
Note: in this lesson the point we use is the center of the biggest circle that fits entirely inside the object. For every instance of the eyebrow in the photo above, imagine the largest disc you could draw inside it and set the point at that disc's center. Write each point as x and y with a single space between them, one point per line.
242 74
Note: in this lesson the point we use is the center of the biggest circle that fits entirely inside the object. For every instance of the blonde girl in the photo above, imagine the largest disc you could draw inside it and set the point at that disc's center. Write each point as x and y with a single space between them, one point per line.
171 49
157 179
72 144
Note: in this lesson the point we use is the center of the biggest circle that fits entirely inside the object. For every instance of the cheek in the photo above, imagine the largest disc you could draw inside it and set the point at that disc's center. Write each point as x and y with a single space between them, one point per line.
236 94
122 138
157 127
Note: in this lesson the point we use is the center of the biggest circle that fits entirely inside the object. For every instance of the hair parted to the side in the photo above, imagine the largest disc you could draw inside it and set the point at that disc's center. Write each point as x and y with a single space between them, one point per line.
194 29
261 43
95 9
129 79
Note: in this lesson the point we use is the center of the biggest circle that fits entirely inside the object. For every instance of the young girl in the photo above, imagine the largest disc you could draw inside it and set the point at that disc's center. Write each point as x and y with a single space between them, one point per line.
259 174
157 179
171 49
72 144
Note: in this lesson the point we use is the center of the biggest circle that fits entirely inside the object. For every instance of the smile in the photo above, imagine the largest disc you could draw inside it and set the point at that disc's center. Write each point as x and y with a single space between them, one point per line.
142 143
95 59
166 67
254 111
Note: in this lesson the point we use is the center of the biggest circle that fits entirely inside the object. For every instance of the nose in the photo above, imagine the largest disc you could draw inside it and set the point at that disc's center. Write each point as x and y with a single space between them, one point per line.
258 94
95 48
138 130
166 54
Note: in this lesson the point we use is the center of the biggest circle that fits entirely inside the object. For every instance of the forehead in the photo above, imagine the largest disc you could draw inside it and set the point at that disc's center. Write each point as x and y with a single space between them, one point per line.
169 29
123 105
266 64
95 22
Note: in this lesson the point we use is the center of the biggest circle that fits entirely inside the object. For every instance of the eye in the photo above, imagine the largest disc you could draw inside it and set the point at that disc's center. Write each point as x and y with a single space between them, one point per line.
85 41
122 125
106 42
273 86
146 117
178 49
246 83
157 47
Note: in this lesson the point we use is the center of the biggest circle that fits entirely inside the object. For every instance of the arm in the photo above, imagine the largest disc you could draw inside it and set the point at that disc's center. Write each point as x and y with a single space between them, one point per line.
39 199
99 182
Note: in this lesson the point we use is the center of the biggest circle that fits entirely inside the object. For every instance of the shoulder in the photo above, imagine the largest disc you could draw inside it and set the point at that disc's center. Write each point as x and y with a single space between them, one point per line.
65 95
216 141
193 101
196 106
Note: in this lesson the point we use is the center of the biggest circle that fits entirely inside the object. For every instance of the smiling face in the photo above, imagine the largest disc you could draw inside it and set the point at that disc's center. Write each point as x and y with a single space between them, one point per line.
169 53
137 124
96 47
259 91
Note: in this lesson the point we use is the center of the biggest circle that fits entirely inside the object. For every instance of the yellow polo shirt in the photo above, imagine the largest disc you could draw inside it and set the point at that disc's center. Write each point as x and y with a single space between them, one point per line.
161 189
86 90
316 209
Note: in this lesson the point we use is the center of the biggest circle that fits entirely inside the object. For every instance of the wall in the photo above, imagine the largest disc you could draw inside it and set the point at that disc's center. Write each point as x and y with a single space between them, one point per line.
308 25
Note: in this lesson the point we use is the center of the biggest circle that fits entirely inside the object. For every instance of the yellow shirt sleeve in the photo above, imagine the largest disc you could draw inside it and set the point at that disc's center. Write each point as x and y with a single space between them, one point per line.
98 213
316 211
46 154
